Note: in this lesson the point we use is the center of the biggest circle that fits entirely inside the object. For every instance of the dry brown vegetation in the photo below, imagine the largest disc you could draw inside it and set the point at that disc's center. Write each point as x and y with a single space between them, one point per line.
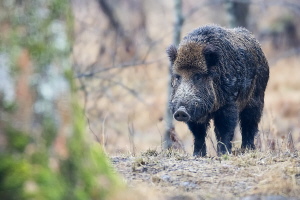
174 175
126 96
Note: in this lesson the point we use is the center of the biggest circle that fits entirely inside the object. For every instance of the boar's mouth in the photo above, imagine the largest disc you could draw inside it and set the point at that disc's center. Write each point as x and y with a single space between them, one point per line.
181 114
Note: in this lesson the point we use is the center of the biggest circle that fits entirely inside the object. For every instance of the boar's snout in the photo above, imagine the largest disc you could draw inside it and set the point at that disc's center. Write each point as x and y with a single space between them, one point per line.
181 114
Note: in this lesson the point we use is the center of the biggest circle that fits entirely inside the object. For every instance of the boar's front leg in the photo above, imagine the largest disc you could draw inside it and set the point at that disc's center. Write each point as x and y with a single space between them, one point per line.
199 132
250 118
225 121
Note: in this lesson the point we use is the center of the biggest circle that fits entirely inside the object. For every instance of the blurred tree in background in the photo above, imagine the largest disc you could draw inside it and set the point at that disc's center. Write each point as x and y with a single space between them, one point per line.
169 135
44 153
238 13
122 68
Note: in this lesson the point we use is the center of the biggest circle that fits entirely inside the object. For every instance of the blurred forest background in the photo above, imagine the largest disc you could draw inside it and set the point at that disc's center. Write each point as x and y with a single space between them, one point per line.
108 57
122 68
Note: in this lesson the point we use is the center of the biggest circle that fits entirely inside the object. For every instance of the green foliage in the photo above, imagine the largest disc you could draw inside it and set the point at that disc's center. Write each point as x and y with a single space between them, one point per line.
16 139
30 166
9 107
14 172
89 175
40 157
49 130
47 184
59 8
225 157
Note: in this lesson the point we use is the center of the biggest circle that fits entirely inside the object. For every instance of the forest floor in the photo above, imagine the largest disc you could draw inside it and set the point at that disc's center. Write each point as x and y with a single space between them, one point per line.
178 176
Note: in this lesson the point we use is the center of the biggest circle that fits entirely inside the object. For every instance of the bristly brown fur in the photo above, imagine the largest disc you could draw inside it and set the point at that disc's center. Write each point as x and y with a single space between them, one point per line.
219 74
190 56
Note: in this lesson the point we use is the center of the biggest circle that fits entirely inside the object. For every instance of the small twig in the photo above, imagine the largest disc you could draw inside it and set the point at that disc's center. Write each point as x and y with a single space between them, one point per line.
161 138
258 142
103 133
212 142
85 92
131 137
97 138
290 142
130 90
176 143
219 142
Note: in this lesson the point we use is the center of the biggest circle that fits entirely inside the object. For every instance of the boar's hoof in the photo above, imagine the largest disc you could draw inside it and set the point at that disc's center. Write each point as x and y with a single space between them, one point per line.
182 115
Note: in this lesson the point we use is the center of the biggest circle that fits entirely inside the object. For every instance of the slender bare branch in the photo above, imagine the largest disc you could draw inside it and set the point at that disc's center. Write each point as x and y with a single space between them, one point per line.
120 66
95 135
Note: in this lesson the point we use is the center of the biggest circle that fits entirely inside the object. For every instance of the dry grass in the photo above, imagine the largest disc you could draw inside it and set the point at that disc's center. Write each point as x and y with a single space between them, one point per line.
171 174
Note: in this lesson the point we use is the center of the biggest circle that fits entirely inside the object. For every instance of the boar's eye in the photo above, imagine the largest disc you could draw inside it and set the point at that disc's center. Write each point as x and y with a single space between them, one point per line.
213 71
176 80
197 77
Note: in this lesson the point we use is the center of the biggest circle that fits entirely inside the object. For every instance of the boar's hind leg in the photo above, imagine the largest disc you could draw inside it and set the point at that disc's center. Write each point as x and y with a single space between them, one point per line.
250 118
225 122
199 132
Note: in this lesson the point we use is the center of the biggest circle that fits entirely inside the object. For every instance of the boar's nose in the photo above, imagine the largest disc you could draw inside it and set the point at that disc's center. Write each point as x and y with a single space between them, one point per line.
181 114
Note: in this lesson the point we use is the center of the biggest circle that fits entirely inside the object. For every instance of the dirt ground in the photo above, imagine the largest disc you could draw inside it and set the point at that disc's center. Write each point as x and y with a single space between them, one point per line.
175 175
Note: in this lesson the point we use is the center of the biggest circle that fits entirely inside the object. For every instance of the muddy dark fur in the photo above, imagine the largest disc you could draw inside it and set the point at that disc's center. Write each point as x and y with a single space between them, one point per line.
218 74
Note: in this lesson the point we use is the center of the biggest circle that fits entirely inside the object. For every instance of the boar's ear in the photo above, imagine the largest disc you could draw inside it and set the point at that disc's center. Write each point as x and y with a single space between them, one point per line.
211 55
172 53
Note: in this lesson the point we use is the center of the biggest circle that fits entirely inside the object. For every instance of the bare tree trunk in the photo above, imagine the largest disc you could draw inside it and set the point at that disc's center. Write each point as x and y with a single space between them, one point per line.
176 39
112 17
238 13
116 24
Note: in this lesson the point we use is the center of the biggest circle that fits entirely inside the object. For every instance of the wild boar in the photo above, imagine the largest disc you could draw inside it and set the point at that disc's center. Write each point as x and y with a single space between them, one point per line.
218 74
